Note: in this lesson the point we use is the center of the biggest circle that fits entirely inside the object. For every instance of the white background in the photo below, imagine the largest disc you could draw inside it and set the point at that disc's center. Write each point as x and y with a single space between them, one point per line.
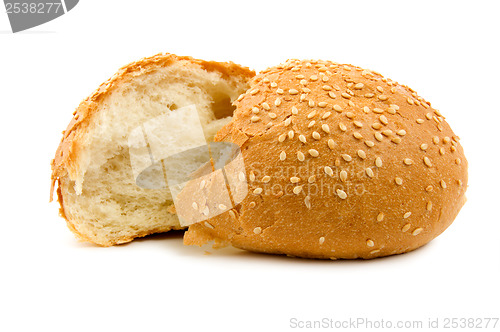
447 51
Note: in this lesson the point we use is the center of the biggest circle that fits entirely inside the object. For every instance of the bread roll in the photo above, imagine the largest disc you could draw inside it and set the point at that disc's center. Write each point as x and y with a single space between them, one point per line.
342 163
97 191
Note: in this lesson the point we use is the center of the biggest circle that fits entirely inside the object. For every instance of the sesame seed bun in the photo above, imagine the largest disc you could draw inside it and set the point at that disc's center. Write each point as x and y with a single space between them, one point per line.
341 163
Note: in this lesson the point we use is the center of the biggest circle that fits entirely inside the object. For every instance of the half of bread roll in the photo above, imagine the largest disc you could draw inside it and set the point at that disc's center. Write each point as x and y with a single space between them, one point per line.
97 191
342 163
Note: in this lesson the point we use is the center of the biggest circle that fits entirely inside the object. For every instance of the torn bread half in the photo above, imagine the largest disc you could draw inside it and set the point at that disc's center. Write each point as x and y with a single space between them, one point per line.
96 188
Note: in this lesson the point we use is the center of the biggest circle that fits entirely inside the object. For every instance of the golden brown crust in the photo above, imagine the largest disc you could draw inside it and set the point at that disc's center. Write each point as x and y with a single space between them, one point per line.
342 162
65 160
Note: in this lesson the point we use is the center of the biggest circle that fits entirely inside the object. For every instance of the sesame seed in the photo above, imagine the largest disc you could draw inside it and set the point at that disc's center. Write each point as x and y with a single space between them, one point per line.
272 115
407 215
222 207
417 231
443 184
458 161
401 132
325 128
293 91
282 155
453 149
342 126
325 78
358 124
446 140
357 135
274 84
303 82
369 95
435 140
295 110
378 162
332 95
346 95
420 121
326 87
408 161
380 217
195 206
277 102
311 103
427 162
322 104
257 230
294 179
370 243
398 181
255 118
370 144
346 157
266 179
307 202
306 90
423 147
379 136
255 110
328 171
378 110
291 133
410 101
297 190
255 91
350 115
331 144
376 251
313 152
406 228
366 109
382 97
240 97
337 108
321 240
387 132
380 89
362 154
266 106
326 115
279 91
300 156
202 184
316 135
369 172
429 206
341 194
359 86
343 176
311 124
206 222
241 176
288 121
391 111
396 140
313 78
252 176
299 77
232 214
282 138
441 151
257 191
428 116
311 179
429 188
383 119
312 114
302 138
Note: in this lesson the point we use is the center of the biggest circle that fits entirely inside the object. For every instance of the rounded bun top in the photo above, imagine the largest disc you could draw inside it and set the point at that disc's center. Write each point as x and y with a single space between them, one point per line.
341 163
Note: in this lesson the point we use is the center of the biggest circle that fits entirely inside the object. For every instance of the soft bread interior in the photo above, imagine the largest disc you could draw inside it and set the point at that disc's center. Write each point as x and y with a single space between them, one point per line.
104 204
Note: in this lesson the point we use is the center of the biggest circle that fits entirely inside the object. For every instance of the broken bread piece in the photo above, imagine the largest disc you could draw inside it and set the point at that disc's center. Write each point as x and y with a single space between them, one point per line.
96 188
